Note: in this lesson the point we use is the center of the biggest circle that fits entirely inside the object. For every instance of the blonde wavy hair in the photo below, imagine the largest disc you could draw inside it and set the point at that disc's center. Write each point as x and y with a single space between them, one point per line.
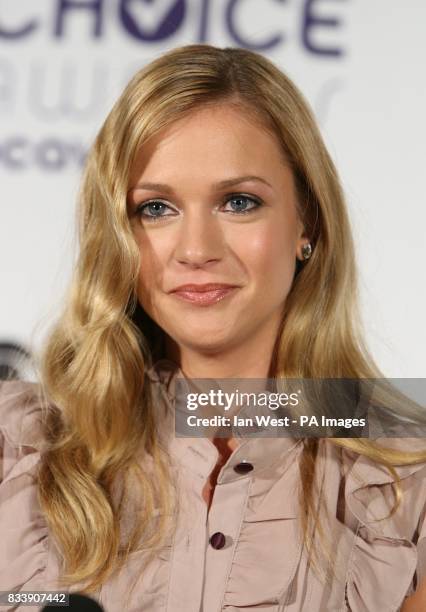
98 404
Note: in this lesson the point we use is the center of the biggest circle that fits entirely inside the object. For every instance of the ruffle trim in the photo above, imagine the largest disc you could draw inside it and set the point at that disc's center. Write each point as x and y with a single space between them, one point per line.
385 554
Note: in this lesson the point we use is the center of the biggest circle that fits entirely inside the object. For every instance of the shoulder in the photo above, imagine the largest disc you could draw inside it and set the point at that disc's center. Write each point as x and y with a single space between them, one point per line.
21 413
371 480
21 427
388 461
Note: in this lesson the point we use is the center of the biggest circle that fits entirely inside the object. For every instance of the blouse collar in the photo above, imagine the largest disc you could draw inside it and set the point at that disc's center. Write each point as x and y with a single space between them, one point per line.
200 455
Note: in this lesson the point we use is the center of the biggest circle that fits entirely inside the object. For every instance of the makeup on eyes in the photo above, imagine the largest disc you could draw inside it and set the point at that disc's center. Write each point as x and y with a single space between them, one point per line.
142 206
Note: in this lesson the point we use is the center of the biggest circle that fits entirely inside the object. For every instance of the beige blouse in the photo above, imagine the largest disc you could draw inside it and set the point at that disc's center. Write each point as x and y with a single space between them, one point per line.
245 553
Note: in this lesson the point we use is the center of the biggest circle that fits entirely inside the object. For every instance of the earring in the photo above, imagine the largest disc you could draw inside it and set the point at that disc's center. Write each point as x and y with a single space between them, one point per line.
306 250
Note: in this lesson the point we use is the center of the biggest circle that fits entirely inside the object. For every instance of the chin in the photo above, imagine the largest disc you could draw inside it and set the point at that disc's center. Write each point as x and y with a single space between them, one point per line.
206 343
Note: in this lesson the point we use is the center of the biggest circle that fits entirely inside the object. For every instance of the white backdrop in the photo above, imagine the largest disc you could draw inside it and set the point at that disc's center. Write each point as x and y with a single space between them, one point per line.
360 65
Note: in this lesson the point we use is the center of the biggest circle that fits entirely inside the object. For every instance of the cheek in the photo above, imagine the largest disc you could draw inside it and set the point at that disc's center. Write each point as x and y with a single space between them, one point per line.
149 267
270 255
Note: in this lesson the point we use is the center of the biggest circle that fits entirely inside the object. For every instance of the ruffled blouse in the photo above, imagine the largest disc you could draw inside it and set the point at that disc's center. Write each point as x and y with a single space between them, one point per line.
258 561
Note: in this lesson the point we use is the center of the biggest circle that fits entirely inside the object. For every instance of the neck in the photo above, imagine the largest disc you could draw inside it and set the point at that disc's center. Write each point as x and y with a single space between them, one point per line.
239 362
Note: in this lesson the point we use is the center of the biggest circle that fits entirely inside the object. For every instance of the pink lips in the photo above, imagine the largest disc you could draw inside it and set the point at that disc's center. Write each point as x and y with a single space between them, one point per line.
203 295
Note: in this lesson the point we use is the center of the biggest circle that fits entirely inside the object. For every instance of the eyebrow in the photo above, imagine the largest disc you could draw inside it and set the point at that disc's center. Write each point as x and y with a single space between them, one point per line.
220 185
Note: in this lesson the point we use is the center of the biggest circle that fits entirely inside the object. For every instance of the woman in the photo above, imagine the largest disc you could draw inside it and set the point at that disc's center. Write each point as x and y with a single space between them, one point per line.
209 169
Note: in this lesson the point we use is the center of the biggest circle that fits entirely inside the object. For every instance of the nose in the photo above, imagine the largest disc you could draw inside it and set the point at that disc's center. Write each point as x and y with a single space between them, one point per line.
200 238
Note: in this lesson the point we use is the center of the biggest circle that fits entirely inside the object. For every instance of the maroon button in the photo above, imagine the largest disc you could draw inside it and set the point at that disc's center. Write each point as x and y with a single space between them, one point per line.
217 540
243 468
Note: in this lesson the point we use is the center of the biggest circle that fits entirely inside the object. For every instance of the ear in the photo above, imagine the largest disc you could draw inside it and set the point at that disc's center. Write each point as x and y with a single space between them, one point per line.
302 239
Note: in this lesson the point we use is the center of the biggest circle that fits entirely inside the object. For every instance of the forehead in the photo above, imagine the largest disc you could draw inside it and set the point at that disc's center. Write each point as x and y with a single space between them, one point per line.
221 136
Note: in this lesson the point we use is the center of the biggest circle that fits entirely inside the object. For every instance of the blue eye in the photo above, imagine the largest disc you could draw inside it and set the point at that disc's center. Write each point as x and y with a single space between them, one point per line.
243 198
156 207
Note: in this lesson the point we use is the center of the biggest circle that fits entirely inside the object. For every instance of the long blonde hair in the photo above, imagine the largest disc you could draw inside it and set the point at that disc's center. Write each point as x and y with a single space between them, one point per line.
99 408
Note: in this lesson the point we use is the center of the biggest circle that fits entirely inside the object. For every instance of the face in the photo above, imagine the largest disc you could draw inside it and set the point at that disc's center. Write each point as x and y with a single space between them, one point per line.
209 224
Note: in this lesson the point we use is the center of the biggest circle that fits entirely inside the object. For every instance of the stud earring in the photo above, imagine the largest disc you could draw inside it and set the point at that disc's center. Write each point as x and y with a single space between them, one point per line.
306 250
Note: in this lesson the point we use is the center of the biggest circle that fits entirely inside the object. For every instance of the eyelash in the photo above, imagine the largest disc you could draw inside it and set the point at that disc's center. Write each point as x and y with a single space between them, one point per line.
233 196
